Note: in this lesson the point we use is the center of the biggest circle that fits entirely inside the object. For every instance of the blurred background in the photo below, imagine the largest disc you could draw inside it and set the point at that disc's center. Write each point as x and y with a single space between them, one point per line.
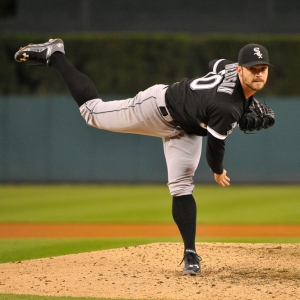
126 46
204 16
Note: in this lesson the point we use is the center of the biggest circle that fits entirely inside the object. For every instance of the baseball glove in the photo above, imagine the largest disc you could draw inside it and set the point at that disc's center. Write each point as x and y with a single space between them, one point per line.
258 116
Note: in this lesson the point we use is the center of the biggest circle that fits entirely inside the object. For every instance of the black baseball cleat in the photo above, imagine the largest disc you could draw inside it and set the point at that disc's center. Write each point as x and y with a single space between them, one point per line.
191 263
40 52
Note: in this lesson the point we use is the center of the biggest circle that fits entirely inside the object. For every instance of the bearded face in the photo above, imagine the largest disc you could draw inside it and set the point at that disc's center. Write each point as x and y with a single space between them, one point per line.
254 77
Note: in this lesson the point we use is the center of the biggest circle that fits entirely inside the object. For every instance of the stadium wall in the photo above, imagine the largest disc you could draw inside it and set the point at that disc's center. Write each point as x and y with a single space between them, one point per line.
45 140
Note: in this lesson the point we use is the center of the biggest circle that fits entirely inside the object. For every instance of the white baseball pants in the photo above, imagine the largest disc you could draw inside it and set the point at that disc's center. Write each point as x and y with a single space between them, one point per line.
141 115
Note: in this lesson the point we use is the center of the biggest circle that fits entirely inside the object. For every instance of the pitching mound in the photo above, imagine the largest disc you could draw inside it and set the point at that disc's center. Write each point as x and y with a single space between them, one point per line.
230 271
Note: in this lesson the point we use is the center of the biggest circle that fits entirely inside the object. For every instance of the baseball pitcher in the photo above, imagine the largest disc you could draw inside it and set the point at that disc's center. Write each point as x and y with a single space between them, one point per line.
182 113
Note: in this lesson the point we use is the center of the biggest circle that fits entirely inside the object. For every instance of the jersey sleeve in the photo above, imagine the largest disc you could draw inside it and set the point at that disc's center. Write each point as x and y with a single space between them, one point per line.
217 65
223 118
215 150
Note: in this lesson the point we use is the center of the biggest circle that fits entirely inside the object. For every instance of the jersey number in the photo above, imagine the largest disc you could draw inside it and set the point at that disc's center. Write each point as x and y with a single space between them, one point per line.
206 82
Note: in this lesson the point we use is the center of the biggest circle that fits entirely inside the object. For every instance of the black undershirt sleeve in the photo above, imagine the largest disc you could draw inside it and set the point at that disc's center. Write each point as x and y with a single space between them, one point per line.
215 150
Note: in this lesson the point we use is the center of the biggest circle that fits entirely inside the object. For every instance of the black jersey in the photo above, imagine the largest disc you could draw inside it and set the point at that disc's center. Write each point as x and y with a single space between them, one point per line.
211 105
214 103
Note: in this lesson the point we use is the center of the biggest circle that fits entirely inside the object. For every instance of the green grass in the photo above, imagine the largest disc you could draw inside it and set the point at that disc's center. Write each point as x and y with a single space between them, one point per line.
249 204
84 204
146 204
135 204
23 249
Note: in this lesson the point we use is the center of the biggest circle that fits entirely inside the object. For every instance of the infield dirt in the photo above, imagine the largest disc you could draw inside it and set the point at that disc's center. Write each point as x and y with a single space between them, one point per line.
230 271
34 230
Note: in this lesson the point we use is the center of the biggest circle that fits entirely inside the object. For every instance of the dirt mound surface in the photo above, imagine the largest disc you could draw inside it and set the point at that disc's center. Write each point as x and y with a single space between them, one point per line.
230 271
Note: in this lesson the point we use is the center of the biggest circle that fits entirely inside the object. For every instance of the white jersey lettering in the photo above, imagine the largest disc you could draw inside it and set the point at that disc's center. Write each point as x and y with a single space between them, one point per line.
206 82
229 82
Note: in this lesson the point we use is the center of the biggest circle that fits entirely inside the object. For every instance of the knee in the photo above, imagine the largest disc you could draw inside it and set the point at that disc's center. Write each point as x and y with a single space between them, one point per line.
89 111
182 186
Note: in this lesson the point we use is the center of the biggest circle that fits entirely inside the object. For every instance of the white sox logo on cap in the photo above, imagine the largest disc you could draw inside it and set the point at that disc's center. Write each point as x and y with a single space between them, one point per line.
257 52
253 54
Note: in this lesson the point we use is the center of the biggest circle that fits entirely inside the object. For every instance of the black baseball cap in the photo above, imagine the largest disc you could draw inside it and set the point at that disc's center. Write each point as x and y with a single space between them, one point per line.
253 54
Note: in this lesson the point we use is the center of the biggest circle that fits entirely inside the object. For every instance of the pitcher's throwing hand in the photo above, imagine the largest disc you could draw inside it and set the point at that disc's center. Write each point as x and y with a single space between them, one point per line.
222 179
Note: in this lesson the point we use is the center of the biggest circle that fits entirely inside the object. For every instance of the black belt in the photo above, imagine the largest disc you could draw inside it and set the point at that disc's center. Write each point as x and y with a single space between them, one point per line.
165 113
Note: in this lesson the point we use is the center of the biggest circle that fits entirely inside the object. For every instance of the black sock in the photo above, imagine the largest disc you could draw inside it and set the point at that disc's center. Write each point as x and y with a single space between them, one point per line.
80 86
184 212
